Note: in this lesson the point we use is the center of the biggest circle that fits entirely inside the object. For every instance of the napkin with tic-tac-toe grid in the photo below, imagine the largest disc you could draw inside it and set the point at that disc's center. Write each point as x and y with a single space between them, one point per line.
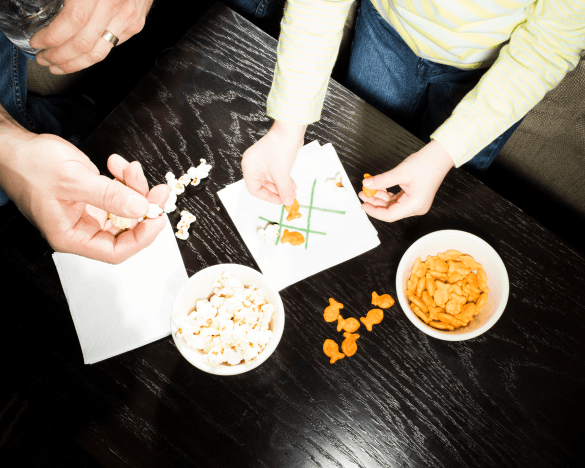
332 222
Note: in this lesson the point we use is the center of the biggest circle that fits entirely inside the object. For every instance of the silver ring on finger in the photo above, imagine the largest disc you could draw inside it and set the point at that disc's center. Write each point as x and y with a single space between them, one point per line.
108 36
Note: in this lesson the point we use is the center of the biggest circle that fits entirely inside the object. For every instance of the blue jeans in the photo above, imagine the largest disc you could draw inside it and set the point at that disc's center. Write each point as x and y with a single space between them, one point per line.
63 117
416 93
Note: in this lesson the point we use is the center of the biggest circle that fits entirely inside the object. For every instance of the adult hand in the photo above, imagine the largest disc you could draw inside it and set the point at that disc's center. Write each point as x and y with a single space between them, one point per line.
61 192
419 177
267 164
73 40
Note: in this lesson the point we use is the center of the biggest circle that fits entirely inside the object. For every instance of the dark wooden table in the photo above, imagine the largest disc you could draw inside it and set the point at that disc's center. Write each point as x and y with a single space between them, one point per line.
511 397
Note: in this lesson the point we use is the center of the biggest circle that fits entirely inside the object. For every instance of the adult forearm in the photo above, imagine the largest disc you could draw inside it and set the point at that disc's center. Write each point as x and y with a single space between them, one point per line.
11 133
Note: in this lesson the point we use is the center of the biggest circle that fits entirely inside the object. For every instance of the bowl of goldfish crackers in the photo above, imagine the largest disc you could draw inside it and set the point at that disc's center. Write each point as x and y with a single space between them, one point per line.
452 285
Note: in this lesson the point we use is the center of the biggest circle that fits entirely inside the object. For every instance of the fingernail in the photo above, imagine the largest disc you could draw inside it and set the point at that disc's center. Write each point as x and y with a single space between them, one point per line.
367 182
289 201
57 71
137 205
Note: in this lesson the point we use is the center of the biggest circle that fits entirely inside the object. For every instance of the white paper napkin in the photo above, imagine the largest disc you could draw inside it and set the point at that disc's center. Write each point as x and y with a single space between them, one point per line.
118 308
338 228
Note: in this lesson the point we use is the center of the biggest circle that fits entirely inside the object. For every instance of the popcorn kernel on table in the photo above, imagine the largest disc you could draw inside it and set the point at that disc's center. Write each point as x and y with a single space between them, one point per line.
384 301
331 349
349 345
294 238
368 192
349 324
332 310
373 317
293 210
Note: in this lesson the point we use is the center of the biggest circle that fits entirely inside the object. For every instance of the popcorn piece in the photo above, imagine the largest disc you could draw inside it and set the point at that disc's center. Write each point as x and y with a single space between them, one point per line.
176 186
170 205
269 234
336 183
231 327
184 179
199 172
154 211
188 217
170 176
119 222
182 234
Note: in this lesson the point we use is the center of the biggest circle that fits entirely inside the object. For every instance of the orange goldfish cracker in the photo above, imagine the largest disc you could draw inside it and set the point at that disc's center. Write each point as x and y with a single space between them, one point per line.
437 264
349 346
482 280
419 269
430 283
293 238
454 277
424 317
332 310
449 255
468 261
446 318
442 326
472 279
459 268
418 302
441 295
455 288
427 299
368 192
293 211
384 301
421 285
433 311
467 313
373 317
454 304
481 301
349 324
331 349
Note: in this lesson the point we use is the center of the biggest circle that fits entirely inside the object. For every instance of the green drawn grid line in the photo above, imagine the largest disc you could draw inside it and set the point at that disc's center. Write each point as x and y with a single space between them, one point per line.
280 224
293 227
307 230
309 216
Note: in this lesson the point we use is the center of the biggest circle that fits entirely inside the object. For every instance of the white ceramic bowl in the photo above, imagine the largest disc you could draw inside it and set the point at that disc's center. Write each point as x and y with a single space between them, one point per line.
200 286
482 252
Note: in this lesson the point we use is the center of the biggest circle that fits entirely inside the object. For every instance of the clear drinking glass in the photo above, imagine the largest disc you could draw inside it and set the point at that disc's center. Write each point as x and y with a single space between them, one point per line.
20 19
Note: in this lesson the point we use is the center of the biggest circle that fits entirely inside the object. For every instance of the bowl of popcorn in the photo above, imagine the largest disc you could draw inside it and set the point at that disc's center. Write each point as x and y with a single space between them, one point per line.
452 285
227 319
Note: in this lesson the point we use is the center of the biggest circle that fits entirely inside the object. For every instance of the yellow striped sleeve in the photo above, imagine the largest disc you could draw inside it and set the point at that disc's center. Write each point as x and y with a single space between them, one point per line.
540 53
311 32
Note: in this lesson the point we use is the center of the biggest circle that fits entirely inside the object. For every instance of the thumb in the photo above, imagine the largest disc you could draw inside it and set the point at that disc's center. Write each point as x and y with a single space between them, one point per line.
284 185
109 195
384 180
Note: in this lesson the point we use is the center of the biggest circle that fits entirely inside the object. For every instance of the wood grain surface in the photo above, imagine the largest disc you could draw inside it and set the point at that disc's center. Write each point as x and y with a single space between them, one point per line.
509 398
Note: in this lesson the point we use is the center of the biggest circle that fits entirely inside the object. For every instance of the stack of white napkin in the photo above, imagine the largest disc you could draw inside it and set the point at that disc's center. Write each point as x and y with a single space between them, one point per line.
118 308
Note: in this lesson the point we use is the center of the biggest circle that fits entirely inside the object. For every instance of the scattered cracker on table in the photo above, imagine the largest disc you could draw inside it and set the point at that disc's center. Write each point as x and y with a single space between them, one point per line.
349 324
349 345
331 350
332 310
294 238
384 301
373 317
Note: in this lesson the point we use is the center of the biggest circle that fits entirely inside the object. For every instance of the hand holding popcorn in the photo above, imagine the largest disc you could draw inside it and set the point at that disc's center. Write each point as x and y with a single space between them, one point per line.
61 192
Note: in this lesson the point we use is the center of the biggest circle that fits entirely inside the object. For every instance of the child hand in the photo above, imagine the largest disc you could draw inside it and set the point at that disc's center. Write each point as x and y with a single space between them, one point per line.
419 177
267 164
